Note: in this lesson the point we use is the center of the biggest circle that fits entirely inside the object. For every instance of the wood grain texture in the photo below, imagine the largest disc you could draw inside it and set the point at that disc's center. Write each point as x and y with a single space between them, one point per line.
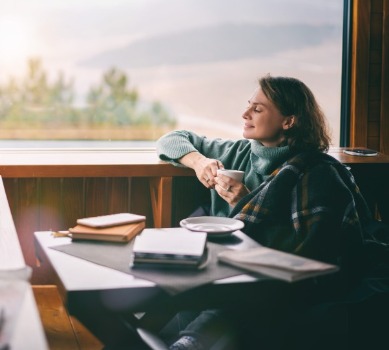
63 332
359 111
369 103
39 163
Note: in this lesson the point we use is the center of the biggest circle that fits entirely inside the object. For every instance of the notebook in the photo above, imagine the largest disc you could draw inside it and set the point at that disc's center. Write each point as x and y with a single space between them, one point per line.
164 248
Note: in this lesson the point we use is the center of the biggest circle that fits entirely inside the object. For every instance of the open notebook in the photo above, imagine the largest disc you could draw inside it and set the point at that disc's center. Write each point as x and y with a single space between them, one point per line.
275 263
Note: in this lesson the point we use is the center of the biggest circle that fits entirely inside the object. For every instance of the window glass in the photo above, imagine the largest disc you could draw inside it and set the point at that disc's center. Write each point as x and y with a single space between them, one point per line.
132 70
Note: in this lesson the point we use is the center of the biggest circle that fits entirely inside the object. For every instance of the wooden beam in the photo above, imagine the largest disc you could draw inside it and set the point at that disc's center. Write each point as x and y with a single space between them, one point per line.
161 200
384 127
359 110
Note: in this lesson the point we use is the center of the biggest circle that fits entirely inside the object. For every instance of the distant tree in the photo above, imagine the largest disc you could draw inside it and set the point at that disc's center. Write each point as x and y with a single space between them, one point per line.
34 101
113 102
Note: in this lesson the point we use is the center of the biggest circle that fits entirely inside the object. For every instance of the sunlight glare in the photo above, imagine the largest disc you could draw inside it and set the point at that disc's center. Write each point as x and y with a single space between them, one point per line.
16 39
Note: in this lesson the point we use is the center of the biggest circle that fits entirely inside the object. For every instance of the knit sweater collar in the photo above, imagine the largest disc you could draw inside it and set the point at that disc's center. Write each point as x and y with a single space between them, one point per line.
266 159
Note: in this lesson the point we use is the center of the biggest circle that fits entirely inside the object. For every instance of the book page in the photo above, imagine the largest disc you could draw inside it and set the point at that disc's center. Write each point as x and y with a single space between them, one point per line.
156 241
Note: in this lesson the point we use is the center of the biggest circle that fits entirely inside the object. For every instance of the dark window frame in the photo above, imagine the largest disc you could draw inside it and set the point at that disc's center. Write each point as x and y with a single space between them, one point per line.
346 75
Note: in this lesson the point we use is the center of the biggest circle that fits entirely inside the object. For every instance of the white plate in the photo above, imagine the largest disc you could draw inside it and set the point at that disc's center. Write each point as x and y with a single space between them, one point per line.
213 225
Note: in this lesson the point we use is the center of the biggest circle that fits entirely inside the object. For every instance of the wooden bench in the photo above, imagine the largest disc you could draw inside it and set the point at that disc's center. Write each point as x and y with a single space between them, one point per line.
63 332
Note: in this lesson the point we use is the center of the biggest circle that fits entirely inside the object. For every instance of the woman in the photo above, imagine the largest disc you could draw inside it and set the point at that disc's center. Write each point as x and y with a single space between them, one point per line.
271 125
284 128
294 197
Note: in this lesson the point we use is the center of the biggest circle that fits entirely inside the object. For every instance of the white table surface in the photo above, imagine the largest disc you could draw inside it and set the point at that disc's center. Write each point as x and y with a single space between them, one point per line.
77 274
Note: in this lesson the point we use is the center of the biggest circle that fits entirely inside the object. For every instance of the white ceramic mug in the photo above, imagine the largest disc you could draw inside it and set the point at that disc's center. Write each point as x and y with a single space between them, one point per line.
235 174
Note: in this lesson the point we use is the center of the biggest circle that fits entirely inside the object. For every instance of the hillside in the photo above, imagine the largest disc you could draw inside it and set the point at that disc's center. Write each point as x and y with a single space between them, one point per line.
213 43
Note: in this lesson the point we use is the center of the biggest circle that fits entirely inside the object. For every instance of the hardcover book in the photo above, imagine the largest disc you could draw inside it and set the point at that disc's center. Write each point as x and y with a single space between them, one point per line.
119 233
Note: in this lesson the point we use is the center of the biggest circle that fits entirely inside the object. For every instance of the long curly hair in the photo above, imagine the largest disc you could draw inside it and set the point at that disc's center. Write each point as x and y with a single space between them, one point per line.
293 98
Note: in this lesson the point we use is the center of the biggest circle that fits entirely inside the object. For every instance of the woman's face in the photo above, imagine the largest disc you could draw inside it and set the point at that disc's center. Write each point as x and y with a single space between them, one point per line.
263 121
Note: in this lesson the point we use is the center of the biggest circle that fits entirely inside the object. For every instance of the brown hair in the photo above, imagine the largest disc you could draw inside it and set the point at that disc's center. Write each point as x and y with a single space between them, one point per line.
293 97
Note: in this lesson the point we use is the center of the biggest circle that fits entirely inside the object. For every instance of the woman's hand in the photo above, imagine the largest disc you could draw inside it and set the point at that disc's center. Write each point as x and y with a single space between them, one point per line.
229 189
205 168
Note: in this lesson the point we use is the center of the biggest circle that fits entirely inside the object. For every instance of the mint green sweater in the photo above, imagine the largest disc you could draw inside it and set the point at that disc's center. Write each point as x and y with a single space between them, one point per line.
256 160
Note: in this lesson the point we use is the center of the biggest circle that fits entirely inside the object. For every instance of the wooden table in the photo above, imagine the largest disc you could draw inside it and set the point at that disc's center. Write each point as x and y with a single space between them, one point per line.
104 300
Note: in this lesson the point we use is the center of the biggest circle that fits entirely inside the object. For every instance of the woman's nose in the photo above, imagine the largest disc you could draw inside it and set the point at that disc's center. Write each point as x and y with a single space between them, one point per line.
246 112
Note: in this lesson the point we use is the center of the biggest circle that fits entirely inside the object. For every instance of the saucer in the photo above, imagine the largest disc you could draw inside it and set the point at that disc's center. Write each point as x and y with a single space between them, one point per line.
212 225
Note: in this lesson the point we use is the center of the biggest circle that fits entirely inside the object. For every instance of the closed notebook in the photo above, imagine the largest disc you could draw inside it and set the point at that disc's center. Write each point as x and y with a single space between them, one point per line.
161 247
120 233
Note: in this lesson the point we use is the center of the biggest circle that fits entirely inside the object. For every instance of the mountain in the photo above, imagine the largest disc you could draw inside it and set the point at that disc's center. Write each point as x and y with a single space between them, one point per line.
214 43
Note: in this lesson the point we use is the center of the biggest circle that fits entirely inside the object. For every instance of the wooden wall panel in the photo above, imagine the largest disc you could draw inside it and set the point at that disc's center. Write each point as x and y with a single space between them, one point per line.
375 111
376 30
50 204
11 188
373 142
190 191
27 218
140 199
73 200
96 194
118 194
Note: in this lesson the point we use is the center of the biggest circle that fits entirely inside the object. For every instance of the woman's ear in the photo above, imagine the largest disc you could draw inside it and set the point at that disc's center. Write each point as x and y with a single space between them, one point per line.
289 122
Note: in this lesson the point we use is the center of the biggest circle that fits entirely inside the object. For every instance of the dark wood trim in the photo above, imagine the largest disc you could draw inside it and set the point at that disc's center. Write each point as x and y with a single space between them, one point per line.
360 73
384 126
369 105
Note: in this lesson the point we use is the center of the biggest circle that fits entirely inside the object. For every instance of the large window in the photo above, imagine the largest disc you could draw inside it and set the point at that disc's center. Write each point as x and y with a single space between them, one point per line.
133 69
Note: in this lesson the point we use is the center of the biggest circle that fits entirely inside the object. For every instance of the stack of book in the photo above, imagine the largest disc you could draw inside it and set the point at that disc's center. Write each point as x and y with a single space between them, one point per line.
120 227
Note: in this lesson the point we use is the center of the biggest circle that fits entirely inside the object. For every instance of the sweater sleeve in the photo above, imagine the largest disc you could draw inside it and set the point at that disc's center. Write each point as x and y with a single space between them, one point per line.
177 144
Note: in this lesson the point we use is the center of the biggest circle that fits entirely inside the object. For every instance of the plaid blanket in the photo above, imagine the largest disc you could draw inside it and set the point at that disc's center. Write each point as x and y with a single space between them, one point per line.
310 206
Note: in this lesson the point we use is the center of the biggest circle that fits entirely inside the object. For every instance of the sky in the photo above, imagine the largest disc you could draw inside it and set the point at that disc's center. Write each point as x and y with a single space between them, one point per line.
77 28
